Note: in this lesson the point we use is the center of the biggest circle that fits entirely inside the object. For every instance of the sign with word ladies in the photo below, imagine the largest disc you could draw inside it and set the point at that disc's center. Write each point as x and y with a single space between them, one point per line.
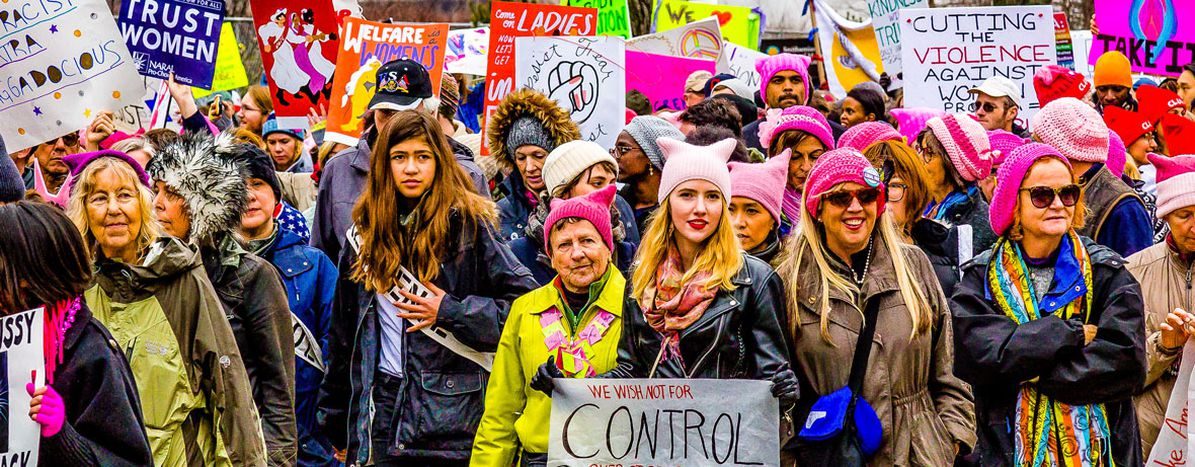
509 20
365 47
61 63
1157 36
690 422
585 75
22 361
948 51
174 36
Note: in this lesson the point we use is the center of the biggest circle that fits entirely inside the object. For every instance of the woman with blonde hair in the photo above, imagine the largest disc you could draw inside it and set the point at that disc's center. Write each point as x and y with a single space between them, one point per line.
846 258
423 261
152 293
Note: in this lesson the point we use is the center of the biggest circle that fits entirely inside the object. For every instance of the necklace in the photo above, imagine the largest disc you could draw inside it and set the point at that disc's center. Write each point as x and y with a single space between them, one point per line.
866 265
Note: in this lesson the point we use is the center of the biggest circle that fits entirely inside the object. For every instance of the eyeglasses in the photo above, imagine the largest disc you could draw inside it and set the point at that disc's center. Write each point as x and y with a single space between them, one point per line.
69 139
842 199
896 191
1043 196
619 151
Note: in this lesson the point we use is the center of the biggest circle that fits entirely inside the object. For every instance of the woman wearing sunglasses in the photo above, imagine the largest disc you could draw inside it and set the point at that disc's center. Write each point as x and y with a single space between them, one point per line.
846 255
957 154
1049 327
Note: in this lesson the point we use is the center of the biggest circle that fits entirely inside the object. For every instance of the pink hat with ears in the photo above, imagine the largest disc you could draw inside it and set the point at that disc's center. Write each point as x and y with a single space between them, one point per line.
593 207
1176 182
763 183
1008 182
1117 154
966 144
797 117
910 121
840 166
868 133
769 66
684 162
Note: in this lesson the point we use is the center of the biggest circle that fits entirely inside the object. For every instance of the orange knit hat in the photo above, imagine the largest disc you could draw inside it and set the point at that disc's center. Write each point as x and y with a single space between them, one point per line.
1113 69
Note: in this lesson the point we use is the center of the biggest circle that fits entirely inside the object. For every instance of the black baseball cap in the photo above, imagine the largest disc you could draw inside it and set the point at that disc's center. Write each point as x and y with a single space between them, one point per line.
401 85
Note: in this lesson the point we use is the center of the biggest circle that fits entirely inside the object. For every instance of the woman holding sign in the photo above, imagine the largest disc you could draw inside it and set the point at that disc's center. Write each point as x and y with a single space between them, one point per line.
88 409
1049 327
425 286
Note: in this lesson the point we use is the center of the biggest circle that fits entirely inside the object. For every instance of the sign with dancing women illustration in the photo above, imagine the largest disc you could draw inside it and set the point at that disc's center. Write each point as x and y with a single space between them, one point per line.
298 41
174 36
688 422
21 361
585 75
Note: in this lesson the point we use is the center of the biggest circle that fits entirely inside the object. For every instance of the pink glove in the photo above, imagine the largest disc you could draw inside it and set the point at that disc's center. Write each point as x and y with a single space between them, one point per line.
46 409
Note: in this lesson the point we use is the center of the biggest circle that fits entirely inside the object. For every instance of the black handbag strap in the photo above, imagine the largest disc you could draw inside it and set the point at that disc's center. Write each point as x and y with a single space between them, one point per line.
863 347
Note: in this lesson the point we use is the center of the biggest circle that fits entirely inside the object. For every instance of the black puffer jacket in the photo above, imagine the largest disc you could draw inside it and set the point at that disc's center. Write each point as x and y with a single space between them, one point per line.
740 336
995 355
441 400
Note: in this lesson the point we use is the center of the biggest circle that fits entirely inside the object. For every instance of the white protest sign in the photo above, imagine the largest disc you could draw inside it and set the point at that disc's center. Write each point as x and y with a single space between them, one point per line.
585 75
885 17
468 51
948 51
690 422
1171 445
699 39
63 62
740 62
21 357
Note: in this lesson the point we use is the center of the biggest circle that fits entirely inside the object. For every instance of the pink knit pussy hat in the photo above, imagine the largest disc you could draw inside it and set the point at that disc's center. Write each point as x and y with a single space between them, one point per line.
1003 142
763 183
684 162
868 133
966 144
910 121
769 66
1176 182
840 166
593 207
1008 182
1075 129
797 117
1117 154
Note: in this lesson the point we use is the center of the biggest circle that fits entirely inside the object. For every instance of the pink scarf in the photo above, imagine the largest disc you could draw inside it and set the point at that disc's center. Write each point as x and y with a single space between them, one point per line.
671 306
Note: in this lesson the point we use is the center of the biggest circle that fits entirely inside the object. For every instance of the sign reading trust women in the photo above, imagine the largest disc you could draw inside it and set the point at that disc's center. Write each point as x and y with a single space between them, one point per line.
61 63
298 41
174 36
689 422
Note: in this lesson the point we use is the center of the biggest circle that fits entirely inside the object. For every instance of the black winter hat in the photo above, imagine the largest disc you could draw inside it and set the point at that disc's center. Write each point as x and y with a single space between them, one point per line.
12 186
259 165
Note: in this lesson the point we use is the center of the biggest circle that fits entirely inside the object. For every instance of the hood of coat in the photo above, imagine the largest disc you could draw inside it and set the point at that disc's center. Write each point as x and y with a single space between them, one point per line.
527 102
203 170
165 259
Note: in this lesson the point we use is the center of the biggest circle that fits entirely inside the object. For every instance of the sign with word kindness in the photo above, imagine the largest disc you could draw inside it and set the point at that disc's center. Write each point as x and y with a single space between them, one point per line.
174 36
948 51
688 422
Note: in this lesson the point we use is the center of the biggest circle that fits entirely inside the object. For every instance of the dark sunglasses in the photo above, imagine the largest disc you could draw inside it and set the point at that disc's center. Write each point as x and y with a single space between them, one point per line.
69 139
1043 196
842 199
987 107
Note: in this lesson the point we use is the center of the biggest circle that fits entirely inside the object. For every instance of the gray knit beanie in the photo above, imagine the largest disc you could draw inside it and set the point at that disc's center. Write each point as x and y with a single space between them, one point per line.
646 130
528 131
12 186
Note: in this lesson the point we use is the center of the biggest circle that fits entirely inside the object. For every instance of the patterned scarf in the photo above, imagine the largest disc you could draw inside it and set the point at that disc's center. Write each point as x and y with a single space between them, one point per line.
1043 425
791 207
670 306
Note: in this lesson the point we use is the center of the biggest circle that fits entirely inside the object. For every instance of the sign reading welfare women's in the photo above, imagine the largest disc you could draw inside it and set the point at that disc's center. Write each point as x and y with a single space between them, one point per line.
174 36
21 361
585 75
948 51
61 63
1156 39
688 422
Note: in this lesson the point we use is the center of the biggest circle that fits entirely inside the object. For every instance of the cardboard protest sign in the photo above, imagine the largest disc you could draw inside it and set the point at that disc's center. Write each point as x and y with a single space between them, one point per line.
230 71
661 78
174 36
1156 39
62 63
298 41
849 49
740 61
21 360
364 47
948 51
614 18
467 51
510 20
688 422
884 20
699 39
1170 448
1062 41
585 75
738 24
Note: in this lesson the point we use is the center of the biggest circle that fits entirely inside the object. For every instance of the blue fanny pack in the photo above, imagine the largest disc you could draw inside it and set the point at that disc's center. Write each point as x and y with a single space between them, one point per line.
828 417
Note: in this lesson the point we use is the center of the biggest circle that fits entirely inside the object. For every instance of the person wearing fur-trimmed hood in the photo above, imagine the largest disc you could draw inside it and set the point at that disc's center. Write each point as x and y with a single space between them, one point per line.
200 195
523 130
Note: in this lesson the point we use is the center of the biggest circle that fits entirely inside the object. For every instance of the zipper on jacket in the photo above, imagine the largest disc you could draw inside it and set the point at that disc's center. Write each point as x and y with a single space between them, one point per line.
708 351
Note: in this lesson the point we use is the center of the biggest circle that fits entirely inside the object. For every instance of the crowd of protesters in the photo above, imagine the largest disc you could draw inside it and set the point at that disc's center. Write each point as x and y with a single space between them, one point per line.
248 294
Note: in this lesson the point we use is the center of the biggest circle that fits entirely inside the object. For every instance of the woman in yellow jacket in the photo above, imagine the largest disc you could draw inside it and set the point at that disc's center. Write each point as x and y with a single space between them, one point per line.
574 323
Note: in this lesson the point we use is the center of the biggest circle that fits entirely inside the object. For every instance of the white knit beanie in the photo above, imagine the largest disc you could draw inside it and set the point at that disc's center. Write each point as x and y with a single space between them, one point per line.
570 159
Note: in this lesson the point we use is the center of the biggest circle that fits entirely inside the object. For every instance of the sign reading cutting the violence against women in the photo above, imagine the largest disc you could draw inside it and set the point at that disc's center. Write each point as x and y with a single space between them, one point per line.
661 78
584 75
63 62
298 41
364 48
949 51
1157 37
509 20
22 360
686 422
174 36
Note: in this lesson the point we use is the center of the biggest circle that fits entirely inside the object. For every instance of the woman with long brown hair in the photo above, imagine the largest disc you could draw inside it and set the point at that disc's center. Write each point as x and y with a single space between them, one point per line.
424 289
